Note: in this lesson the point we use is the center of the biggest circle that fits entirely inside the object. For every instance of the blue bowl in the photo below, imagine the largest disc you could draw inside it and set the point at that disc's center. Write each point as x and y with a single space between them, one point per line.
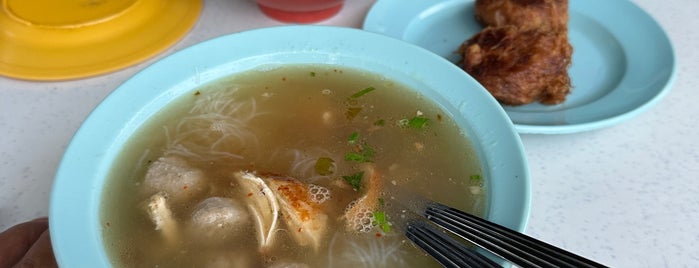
76 231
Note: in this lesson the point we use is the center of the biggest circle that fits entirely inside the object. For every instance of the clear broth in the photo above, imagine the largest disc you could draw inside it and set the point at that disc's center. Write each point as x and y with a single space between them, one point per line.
292 116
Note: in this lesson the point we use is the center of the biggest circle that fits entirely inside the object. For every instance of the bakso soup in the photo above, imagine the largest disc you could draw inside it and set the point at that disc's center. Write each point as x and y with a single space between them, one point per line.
286 166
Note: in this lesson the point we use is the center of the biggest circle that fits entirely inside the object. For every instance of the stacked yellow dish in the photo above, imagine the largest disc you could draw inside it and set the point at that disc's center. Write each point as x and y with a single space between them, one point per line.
55 40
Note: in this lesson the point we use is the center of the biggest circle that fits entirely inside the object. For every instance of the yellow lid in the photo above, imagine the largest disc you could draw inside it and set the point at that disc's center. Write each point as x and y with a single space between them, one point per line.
65 39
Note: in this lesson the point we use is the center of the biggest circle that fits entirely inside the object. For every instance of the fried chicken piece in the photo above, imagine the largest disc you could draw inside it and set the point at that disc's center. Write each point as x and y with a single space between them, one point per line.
360 213
263 206
305 218
160 214
545 15
523 54
519 66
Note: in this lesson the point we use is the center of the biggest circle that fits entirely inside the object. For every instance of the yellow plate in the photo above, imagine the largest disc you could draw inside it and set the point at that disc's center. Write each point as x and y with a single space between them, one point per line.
66 39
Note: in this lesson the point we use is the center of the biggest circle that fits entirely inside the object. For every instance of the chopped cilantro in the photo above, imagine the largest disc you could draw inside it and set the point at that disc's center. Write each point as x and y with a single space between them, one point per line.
353 138
363 155
368 152
325 166
355 180
475 177
382 221
364 152
380 217
354 156
418 122
313 74
379 122
362 92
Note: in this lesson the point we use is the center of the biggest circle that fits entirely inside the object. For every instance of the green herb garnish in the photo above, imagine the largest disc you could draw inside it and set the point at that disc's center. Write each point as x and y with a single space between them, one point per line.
362 92
353 138
368 152
364 154
418 122
475 178
313 74
381 220
379 122
325 166
354 156
380 217
355 180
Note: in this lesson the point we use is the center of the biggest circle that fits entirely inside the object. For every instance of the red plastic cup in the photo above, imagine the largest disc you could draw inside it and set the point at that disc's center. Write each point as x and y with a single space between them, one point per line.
300 11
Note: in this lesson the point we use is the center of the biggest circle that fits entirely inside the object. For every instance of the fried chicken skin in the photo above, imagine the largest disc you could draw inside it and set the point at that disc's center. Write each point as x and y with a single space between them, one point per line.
545 15
519 66
523 54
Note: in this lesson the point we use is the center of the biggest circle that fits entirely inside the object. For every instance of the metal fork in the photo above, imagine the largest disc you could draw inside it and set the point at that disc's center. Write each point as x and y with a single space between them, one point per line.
520 249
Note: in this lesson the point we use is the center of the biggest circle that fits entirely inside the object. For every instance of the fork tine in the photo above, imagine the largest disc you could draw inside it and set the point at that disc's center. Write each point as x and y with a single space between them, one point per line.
445 249
518 248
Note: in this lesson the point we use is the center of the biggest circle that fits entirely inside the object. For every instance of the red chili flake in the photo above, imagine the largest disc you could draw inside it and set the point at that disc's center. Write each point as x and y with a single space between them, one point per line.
299 230
249 194
378 234
185 187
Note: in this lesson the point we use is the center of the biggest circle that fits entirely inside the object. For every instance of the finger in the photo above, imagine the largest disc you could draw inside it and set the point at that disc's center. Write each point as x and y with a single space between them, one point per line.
15 242
40 254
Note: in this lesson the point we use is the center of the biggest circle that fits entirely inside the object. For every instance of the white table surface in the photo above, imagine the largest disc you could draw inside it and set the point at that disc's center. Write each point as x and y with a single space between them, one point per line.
627 195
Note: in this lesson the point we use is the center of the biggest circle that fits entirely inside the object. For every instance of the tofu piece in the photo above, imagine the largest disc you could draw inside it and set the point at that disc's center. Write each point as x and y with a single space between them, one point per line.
175 177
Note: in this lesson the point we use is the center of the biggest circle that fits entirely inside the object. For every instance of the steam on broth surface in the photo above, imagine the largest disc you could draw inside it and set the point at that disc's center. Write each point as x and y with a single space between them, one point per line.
293 166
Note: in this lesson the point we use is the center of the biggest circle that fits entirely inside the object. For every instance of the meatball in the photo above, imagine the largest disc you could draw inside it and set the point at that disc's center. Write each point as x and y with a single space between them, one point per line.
217 219
175 177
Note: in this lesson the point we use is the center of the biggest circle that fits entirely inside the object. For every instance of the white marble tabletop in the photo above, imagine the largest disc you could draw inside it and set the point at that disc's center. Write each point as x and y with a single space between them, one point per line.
626 195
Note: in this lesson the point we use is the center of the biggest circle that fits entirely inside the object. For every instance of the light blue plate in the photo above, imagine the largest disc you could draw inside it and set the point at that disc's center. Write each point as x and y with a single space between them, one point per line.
623 62
78 187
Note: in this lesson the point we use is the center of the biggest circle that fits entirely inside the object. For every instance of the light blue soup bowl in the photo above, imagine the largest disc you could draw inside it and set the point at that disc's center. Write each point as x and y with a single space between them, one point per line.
75 199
